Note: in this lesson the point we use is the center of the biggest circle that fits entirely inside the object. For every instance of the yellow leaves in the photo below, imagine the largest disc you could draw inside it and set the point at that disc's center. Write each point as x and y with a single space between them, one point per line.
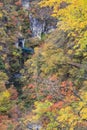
66 116
3 76
71 128
4 96
4 101
83 113
85 34
1 15
84 96
81 104
70 52
1 48
20 27
41 108
83 24
36 50
74 14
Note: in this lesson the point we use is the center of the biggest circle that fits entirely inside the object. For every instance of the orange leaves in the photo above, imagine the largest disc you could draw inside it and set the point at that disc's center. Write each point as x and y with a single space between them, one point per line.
67 91
31 86
5 122
66 88
18 3
63 84
2 118
57 105
66 83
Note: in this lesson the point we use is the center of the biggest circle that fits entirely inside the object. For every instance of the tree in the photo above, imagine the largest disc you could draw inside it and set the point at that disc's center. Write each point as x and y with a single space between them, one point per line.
73 18
65 114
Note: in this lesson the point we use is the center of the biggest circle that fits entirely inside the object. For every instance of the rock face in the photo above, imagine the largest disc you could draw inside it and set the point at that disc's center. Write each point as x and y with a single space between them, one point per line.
34 126
39 26
41 21
25 4
20 43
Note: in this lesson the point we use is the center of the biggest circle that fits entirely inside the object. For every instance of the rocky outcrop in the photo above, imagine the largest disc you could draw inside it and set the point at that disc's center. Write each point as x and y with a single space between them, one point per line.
34 126
40 26
25 4
37 26
41 21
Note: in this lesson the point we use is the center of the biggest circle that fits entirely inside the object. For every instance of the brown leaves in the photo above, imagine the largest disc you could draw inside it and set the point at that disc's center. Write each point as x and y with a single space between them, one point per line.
14 93
49 97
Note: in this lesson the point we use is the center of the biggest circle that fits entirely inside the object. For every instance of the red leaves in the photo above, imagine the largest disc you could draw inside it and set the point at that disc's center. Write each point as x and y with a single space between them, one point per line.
56 106
1 4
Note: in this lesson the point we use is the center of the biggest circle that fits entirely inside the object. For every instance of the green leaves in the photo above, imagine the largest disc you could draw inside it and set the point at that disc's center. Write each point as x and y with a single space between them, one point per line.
2 66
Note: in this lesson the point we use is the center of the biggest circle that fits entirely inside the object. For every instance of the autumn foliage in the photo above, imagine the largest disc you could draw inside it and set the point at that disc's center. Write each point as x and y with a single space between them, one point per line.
51 87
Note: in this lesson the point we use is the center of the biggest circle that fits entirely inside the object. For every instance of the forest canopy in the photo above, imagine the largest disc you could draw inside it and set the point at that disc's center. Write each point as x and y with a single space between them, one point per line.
45 89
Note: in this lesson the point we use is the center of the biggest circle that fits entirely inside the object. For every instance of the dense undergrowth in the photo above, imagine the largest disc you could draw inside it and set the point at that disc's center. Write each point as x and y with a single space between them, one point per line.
52 88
